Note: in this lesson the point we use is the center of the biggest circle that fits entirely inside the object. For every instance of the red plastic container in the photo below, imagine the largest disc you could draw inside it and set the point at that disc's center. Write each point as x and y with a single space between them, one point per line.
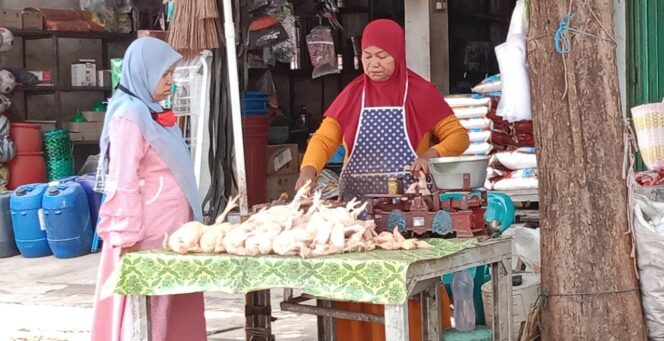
26 168
27 137
255 130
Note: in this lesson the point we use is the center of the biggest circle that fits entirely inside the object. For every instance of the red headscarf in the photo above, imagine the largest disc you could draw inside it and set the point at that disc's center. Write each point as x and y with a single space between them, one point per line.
424 106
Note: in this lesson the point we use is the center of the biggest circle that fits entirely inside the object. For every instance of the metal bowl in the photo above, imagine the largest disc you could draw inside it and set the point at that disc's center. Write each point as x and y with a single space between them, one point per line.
448 172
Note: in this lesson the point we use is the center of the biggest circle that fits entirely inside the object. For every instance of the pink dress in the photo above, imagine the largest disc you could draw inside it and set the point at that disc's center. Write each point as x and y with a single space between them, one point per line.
143 202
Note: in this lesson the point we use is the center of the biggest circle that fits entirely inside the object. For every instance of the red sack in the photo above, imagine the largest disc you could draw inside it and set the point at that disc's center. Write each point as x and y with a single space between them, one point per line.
523 127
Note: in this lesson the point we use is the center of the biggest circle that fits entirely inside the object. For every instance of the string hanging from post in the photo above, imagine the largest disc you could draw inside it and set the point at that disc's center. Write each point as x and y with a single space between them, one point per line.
563 42
561 37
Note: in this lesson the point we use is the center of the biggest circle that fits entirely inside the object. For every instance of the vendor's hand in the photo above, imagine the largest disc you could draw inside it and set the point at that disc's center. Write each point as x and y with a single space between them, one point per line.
421 165
307 173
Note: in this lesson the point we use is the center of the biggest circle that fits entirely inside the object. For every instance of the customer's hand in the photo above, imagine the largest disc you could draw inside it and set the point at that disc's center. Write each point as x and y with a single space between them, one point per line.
421 165
307 173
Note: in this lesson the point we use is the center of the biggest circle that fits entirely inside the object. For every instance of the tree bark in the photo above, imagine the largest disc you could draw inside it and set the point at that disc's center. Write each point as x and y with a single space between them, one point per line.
583 196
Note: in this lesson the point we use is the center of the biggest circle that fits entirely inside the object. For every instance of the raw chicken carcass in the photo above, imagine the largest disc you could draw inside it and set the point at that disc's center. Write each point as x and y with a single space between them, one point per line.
235 238
283 215
212 239
186 238
344 215
232 204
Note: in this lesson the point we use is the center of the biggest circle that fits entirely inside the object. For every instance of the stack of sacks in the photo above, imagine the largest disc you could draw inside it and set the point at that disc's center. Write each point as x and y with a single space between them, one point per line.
513 170
506 135
472 113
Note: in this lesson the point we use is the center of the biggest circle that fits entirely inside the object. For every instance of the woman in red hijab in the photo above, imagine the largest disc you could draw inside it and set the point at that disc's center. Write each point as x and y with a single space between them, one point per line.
387 119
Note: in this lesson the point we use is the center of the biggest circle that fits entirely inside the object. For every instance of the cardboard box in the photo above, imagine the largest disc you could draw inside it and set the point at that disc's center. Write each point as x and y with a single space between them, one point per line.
11 19
104 79
94 116
46 126
33 19
84 73
75 136
84 127
44 76
283 159
91 136
278 184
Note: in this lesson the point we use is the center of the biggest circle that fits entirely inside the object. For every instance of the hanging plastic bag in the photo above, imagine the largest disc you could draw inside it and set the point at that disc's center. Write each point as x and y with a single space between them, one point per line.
321 51
284 50
266 31
515 102
266 85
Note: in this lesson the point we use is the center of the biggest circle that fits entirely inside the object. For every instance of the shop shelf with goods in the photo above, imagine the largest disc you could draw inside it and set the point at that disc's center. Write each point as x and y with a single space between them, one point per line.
294 84
58 99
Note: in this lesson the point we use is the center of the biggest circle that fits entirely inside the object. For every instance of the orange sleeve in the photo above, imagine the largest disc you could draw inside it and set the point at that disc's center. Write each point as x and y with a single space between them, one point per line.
452 135
323 144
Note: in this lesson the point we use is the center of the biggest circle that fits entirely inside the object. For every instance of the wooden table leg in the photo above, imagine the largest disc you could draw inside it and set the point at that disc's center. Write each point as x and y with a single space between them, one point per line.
501 273
431 322
396 322
326 325
141 325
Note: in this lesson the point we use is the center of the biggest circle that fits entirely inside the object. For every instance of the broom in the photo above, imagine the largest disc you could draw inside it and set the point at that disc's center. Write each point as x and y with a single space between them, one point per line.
195 27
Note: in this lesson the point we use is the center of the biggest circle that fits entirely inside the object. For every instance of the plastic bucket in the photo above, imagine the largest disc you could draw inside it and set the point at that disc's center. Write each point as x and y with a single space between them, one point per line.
27 137
26 168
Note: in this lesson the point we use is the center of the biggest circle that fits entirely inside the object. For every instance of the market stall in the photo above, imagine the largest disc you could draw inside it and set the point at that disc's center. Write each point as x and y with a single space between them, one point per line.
383 277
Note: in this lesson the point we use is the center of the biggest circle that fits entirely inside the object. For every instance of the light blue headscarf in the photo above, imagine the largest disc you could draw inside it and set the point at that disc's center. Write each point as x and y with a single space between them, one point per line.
145 61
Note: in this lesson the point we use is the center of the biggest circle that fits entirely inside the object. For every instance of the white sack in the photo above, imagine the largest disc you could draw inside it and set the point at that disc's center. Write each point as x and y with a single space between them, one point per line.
649 247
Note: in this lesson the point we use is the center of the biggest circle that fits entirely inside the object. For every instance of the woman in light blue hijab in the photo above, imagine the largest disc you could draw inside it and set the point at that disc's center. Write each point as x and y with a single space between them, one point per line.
149 188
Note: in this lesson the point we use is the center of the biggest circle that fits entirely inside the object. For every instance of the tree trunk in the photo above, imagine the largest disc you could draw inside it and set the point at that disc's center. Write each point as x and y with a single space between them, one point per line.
583 197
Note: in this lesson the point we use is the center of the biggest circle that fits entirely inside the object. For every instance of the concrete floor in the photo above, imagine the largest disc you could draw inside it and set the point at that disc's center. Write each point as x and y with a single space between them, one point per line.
50 299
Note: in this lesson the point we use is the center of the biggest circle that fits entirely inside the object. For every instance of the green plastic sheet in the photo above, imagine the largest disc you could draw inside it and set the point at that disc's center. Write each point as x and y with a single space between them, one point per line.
375 277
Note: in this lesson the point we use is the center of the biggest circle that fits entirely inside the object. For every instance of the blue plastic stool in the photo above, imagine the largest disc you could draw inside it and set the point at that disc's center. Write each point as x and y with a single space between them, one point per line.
95 239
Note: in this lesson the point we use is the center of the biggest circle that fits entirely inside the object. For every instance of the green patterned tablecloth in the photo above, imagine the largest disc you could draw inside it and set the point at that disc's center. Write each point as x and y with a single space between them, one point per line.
376 277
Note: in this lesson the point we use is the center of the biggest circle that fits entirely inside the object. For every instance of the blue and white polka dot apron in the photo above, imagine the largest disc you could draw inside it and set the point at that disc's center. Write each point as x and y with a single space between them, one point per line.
381 151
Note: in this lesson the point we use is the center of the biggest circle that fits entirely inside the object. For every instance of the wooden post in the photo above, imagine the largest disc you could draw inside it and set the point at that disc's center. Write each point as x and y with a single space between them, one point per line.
588 278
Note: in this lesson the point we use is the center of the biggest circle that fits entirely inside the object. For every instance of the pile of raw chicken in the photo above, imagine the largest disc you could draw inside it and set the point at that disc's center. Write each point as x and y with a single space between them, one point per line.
287 229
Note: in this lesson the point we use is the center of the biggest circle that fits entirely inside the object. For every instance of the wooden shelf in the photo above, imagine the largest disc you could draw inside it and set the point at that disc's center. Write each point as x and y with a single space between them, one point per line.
35 89
107 36
52 89
84 89
88 143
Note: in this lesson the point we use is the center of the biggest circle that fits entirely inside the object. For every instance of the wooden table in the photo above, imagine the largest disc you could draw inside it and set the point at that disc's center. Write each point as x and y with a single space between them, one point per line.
423 278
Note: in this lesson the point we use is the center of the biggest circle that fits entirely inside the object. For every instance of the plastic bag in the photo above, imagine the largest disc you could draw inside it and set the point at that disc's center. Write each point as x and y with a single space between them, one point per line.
517 160
479 136
468 101
266 85
321 51
488 85
516 184
526 246
266 31
284 50
649 244
476 124
478 149
96 5
471 112
515 102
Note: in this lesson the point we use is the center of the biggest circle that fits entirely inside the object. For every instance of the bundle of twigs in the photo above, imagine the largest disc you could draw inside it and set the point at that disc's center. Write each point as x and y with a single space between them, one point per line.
195 27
